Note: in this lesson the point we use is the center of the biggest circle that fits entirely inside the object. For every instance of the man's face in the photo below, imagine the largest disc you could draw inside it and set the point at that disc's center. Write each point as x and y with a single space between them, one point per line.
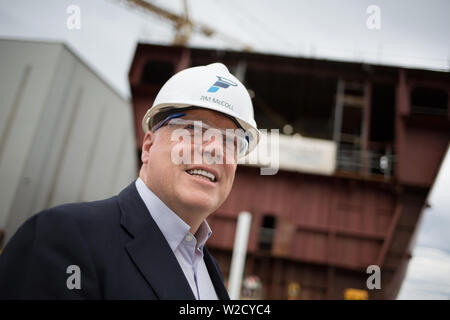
181 191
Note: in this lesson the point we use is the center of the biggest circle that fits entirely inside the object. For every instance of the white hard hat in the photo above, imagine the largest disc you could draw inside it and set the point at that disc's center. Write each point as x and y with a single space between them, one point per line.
211 87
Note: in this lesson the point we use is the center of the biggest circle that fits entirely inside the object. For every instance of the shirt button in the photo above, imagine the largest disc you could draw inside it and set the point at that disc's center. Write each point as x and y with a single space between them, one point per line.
188 238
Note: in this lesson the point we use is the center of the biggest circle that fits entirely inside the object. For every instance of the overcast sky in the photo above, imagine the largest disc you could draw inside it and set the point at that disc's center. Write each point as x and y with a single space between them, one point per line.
411 33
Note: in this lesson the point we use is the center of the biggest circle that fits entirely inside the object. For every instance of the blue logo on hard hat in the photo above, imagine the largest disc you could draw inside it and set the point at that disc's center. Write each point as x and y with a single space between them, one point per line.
221 83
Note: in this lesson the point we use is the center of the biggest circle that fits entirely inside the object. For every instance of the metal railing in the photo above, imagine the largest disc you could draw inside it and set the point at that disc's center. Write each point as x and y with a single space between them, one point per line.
429 110
365 162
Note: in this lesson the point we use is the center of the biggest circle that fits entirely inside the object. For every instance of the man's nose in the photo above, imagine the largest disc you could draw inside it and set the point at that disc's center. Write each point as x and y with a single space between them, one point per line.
214 147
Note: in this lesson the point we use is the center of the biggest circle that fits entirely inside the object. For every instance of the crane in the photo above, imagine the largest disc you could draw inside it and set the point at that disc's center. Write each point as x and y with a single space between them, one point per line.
184 26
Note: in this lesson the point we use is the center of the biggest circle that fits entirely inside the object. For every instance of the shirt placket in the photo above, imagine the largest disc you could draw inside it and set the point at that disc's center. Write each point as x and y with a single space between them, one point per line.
191 245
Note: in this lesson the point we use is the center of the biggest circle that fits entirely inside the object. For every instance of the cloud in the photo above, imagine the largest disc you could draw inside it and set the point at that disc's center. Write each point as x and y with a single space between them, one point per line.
428 275
434 230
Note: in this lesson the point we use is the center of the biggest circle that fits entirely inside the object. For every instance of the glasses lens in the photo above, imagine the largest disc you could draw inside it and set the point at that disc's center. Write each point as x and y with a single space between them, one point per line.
168 119
234 140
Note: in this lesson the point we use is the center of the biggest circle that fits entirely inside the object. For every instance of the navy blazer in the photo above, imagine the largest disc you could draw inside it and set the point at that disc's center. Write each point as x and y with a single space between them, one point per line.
120 251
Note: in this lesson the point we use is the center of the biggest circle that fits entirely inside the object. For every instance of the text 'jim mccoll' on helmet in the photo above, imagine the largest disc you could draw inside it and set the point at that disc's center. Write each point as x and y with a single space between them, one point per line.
211 87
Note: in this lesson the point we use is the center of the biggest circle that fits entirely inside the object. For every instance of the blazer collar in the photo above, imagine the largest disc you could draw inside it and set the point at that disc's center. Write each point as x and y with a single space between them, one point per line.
152 254
216 275
149 249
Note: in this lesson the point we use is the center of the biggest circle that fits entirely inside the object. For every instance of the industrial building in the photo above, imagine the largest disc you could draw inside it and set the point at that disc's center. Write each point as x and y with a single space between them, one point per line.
65 134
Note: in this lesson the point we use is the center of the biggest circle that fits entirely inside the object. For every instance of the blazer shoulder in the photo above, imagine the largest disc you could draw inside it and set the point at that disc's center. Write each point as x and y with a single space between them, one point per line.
83 212
92 220
34 262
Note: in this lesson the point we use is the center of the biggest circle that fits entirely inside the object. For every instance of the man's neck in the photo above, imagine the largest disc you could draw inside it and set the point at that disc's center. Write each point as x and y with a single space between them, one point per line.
191 216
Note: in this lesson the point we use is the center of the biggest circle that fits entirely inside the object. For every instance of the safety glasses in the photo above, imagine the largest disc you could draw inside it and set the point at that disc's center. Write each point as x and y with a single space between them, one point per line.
234 141
172 116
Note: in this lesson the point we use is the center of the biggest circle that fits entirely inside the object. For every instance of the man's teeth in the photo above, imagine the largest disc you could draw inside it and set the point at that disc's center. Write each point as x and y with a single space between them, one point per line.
202 173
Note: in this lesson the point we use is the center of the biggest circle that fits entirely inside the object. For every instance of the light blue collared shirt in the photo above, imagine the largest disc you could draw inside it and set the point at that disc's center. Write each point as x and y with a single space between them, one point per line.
188 249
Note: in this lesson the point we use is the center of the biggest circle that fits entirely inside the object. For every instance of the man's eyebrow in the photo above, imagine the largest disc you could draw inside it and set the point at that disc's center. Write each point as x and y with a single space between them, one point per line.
202 121
209 124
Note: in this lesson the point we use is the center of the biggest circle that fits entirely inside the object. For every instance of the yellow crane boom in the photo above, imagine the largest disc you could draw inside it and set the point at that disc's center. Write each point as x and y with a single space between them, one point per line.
184 26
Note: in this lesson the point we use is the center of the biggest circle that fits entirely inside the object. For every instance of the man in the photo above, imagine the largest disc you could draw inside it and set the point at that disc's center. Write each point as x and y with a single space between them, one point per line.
148 242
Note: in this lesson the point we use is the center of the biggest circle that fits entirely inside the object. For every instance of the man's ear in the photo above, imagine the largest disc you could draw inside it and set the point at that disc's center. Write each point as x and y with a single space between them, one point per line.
149 138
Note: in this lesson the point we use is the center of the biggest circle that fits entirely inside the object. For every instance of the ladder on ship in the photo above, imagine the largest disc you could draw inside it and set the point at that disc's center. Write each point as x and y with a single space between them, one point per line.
350 127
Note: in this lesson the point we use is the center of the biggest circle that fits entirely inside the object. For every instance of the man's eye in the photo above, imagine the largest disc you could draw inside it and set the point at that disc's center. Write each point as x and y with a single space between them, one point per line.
189 127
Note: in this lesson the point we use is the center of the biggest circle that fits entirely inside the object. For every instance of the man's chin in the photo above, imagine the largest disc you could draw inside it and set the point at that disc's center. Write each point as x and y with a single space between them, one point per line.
201 204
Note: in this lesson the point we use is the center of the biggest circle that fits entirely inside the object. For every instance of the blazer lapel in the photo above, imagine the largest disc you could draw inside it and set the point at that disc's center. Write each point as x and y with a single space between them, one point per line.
149 249
215 275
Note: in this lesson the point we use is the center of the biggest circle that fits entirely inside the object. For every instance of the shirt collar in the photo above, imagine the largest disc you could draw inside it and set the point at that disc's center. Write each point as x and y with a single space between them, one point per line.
203 233
171 225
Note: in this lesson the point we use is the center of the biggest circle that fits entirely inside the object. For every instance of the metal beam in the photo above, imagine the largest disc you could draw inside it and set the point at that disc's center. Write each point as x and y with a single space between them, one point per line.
389 235
338 109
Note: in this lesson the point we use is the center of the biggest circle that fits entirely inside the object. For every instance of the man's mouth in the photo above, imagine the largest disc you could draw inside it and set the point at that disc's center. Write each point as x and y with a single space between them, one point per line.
203 174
